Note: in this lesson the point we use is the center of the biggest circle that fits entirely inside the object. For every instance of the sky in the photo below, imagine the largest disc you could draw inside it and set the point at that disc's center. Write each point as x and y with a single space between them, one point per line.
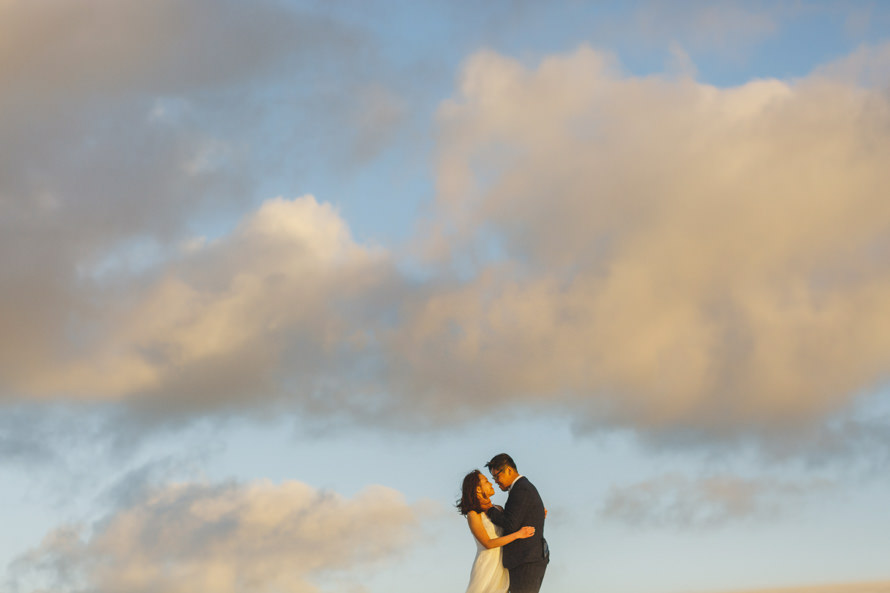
277 274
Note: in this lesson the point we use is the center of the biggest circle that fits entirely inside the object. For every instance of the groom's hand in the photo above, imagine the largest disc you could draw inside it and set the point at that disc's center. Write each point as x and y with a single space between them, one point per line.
485 504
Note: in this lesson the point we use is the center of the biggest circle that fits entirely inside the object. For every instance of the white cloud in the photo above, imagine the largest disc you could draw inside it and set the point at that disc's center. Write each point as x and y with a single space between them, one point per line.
678 257
223 322
224 538
123 121
671 257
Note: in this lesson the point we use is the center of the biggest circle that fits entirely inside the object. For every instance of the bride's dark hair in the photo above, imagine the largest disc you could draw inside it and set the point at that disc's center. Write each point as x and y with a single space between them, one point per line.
469 501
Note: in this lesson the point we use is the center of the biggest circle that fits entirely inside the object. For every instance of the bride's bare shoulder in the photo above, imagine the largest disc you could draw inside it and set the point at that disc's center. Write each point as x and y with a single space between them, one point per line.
474 516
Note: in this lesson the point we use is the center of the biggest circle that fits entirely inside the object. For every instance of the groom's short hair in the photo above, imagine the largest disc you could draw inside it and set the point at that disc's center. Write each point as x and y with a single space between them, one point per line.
499 461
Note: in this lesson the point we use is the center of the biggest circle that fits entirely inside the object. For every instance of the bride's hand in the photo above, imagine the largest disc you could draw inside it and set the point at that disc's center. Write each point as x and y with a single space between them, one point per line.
526 531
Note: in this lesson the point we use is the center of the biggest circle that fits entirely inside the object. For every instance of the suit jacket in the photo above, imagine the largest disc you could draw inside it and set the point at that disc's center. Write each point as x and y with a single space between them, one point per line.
524 507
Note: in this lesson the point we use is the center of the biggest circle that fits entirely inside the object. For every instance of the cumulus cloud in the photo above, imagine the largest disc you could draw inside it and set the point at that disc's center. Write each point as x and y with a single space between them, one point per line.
261 311
676 501
233 537
644 252
658 253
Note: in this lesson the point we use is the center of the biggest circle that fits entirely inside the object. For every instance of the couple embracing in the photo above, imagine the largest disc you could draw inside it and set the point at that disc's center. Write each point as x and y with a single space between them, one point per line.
511 552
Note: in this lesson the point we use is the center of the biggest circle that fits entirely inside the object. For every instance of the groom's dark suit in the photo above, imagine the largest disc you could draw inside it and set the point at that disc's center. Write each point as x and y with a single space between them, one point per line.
527 558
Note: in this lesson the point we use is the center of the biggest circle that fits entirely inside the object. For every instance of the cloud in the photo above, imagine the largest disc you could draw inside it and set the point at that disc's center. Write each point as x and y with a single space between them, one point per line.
868 66
657 253
651 253
676 501
165 47
122 122
262 312
224 537
85 85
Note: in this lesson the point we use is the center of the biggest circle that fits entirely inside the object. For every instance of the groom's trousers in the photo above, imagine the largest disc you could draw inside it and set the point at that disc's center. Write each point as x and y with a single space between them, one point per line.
527 578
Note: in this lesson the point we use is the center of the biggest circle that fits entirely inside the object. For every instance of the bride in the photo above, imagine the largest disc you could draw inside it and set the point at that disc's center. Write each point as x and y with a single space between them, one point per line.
488 574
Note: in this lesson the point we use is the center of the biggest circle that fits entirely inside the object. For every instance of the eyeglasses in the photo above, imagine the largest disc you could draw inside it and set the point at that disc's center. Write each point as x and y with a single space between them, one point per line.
497 472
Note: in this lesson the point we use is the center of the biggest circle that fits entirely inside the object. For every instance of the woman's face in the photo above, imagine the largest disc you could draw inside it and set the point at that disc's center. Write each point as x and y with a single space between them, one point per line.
486 490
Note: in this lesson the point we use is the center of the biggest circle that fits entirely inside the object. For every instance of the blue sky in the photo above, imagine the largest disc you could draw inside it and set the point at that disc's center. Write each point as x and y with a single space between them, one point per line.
277 274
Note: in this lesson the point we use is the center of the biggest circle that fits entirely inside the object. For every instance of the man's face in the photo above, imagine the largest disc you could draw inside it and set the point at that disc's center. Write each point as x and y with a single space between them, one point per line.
502 477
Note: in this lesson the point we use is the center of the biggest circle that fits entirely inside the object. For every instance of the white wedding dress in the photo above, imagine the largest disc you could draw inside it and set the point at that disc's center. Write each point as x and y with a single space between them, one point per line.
489 574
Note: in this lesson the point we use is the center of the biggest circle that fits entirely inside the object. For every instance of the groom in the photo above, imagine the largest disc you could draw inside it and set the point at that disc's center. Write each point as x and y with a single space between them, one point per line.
525 559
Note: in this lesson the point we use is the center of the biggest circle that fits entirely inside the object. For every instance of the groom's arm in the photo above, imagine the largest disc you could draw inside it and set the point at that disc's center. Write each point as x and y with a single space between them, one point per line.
496 514
511 517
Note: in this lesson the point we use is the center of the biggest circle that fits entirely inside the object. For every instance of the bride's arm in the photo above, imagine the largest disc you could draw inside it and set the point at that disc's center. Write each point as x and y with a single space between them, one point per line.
474 520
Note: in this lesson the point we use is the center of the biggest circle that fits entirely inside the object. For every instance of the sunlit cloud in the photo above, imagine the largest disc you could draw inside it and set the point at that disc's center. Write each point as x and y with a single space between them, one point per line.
651 253
642 246
671 255
123 122
224 537
227 319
